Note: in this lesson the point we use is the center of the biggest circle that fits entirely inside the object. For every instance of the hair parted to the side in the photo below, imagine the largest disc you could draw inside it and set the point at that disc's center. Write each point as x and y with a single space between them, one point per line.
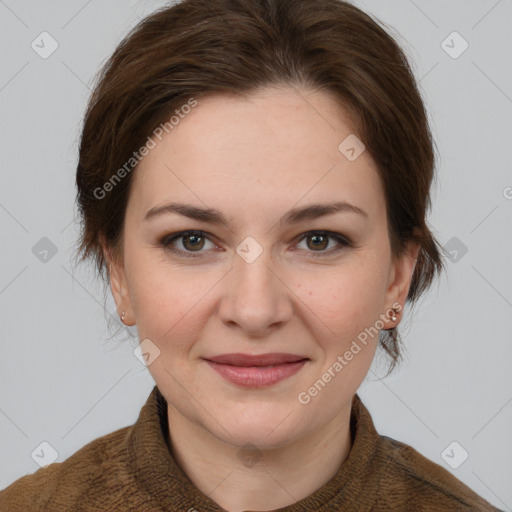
196 48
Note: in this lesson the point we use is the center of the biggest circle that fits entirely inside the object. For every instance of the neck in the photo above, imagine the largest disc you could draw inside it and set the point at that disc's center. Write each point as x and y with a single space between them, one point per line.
250 479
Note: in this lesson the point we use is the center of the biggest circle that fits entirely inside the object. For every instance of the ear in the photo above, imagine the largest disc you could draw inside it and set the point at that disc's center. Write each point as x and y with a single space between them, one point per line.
400 278
118 283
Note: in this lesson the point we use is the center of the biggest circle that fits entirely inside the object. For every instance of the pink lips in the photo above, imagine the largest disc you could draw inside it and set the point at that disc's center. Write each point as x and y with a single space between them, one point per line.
258 370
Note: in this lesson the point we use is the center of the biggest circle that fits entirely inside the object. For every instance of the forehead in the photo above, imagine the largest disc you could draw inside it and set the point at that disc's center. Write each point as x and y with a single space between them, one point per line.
271 150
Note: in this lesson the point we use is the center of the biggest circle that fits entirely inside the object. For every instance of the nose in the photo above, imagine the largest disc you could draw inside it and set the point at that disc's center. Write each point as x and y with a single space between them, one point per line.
256 298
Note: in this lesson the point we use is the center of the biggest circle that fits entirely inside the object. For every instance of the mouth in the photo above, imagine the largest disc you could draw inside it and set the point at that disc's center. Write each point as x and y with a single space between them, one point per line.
260 360
255 371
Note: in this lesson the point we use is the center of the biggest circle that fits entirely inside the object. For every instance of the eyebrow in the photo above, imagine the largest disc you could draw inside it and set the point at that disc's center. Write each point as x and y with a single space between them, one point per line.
294 216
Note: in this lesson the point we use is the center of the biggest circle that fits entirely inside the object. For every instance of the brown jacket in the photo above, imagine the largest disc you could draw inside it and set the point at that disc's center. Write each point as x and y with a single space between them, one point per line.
132 469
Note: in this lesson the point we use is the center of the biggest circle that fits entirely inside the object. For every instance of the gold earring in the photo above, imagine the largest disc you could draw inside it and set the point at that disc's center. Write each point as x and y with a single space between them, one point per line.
122 317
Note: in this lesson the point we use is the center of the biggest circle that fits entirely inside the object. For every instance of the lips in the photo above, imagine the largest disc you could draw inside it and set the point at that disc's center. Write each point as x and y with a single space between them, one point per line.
257 371
241 360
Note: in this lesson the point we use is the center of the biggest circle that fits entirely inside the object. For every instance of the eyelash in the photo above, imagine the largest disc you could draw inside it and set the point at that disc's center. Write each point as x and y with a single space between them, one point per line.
167 240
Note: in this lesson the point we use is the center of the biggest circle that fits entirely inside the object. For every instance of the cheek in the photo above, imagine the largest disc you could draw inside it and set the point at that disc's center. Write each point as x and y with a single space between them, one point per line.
167 300
343 312
345 300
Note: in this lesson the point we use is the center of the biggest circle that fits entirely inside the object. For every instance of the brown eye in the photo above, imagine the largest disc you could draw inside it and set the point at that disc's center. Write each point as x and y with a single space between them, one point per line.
193 242
185 243
318 241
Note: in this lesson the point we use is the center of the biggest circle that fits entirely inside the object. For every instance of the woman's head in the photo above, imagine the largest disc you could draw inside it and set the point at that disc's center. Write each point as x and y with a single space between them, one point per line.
252 109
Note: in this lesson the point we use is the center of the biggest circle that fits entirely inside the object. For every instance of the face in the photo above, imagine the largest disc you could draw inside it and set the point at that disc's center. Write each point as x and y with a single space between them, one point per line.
266 273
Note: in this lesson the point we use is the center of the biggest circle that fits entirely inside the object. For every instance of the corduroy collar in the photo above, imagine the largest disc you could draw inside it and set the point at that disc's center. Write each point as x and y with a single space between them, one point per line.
158 474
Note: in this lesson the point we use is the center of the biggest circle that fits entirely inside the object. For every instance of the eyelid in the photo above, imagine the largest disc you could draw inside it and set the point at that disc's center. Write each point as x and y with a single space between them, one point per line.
333 234
343 242
168 239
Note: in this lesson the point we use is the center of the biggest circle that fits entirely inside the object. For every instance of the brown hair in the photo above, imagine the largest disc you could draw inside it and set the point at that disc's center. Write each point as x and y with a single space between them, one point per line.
200 47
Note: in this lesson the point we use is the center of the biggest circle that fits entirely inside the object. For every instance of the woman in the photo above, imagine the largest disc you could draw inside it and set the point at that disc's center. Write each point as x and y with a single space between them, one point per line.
253 182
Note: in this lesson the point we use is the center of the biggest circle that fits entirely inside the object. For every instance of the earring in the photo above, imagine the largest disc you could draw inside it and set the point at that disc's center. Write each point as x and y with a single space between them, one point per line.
122 317
393 316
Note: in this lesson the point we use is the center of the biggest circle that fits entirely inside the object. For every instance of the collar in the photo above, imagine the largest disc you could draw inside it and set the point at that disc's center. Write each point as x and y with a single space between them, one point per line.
158 474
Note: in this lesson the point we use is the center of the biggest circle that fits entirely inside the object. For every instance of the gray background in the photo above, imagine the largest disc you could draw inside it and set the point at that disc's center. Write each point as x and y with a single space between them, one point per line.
64 381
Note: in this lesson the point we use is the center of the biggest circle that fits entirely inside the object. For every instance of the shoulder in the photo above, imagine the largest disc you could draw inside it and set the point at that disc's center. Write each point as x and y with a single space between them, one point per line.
62 483
416 483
